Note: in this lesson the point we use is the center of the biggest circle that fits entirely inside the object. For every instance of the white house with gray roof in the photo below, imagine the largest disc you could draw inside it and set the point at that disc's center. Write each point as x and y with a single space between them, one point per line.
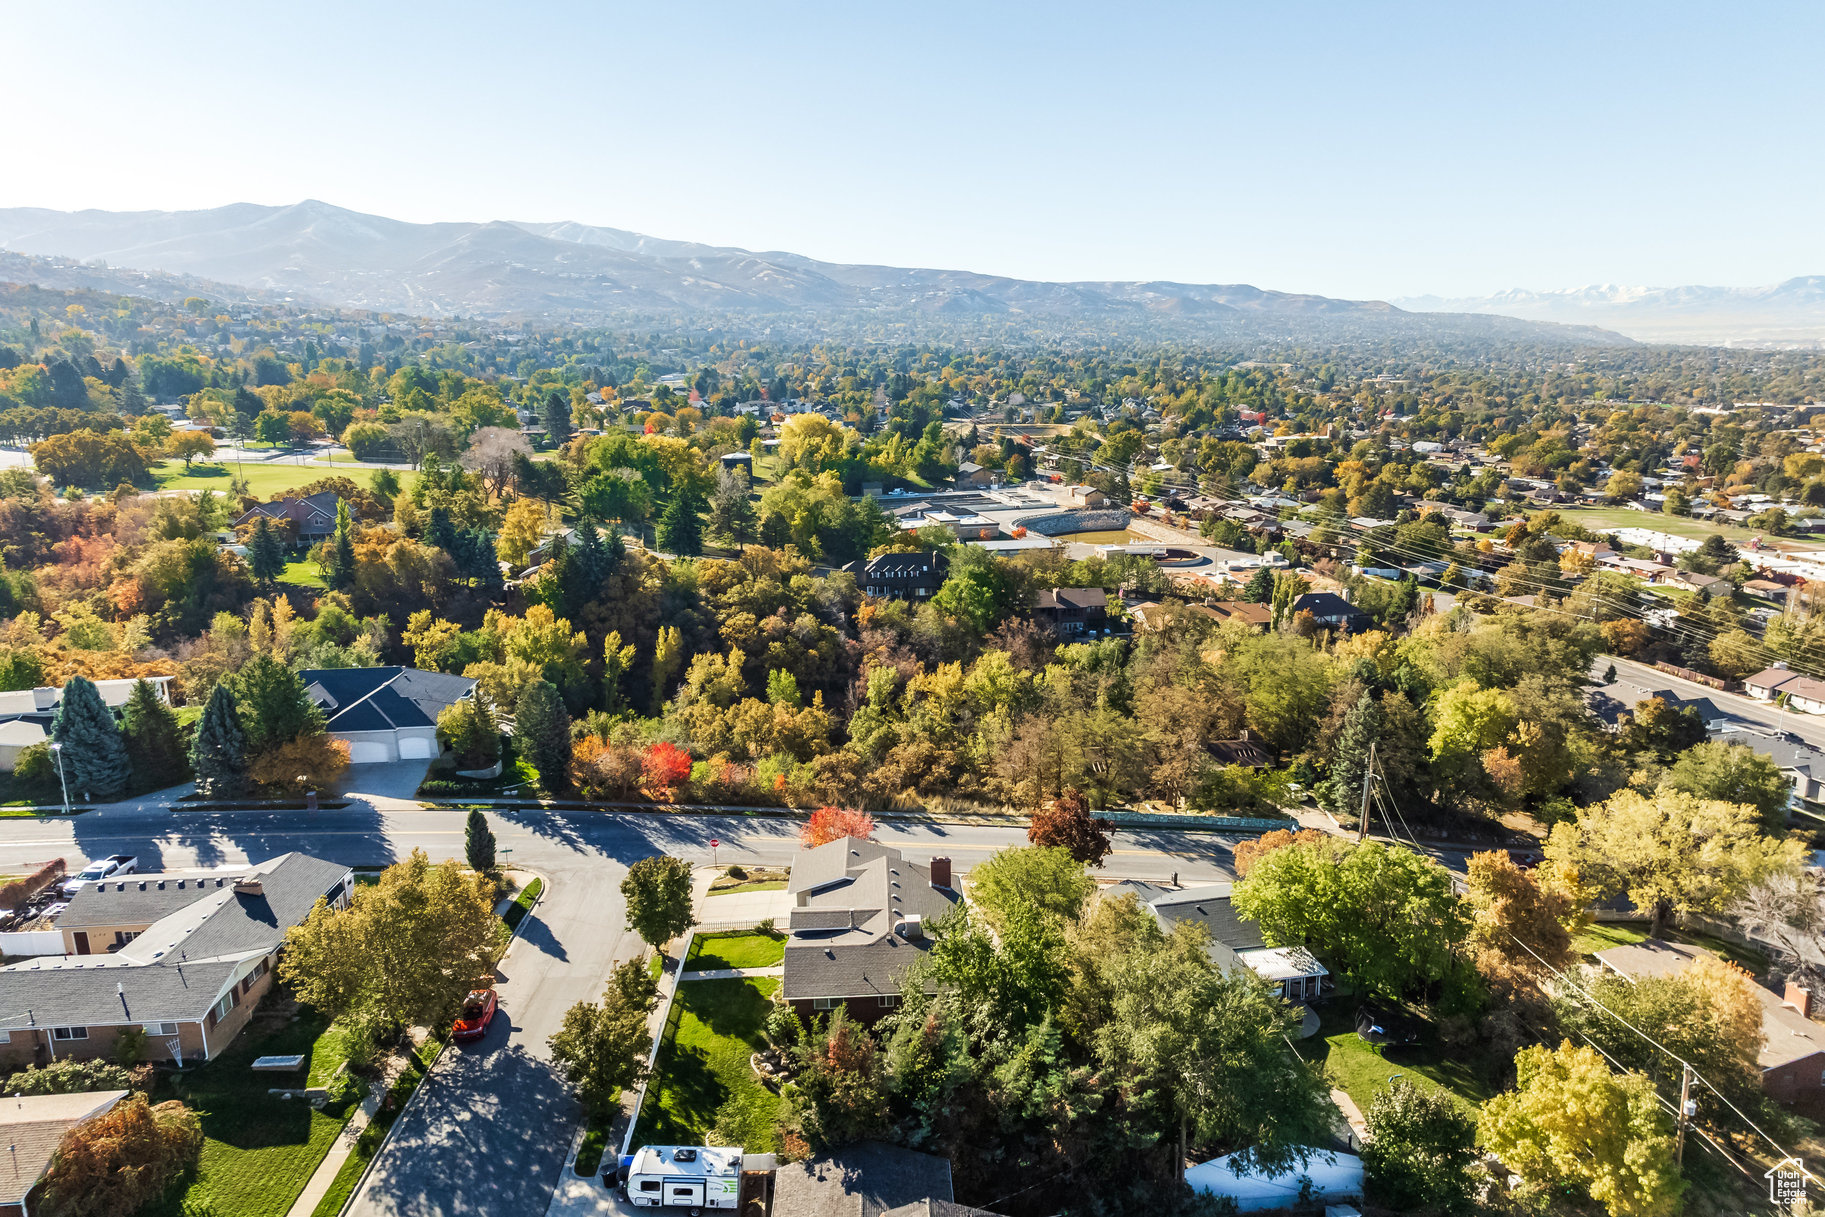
1234 941
186 956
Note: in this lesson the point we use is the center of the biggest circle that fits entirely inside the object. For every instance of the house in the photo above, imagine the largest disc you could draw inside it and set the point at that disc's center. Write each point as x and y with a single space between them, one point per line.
26 715
859 917
1074 612
1706 586
969 473
965 525
33 1126
738 460
307 520
868 1179
384 714
1256 616
1332 612
1234 942
1792 1055
908 575
1803 693
186 956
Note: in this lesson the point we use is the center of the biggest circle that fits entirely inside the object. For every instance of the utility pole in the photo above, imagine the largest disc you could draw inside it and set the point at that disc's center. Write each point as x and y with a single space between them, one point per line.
1686 1108
1368 775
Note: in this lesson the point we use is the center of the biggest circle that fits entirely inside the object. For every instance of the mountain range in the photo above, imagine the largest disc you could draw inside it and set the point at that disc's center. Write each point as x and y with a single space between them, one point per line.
319 253
1785 314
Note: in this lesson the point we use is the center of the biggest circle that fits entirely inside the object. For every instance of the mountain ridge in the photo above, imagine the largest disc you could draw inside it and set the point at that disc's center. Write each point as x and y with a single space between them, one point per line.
1789 312
573 271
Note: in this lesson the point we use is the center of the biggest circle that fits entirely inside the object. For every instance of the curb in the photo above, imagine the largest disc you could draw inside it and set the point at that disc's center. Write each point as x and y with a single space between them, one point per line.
424 1082
984 820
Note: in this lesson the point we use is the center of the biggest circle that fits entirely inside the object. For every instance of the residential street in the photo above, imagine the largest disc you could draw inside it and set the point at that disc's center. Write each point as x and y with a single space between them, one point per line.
1634 681
491 1128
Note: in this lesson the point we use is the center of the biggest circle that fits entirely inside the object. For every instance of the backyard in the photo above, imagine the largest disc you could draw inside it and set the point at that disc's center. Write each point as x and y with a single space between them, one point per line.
703 1091
1604 935
1359 1068
737 949
258 1151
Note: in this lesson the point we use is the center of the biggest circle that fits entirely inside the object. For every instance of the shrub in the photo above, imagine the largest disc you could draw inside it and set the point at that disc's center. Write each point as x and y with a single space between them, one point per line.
19 891
70 1077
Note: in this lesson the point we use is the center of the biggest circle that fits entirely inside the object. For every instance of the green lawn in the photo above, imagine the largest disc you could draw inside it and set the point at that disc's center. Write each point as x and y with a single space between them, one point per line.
1601 518
1601 937
369 1142
703 1092
765 885
1359 1069
265 480
302 571
258 1151
522 904
736 949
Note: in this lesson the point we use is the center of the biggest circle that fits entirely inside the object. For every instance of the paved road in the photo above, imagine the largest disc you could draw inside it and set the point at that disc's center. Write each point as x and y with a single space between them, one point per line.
1635 680
493 1127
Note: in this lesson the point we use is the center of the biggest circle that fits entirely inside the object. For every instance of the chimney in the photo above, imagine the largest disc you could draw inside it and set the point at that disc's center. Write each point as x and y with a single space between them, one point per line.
941 872
1800 998
248 887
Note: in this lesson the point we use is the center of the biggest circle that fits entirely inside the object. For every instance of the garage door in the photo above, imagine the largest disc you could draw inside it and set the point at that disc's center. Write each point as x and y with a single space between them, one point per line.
366 752
412 748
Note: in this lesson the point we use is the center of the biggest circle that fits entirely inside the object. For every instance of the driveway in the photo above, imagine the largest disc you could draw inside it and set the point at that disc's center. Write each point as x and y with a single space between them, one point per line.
387 784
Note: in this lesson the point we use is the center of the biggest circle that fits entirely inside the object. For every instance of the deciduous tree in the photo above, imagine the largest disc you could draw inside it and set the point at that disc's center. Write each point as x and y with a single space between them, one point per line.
601 1048
121 1160
828 824
1047 880
1421 1146
1066 823
658 892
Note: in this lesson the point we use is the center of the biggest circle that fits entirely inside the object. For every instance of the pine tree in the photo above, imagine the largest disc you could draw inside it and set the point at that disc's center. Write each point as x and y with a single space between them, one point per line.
680 529
731 511
1362 723
220 752
557 416
341 558
478 841
93 752
541 732
155 745
1260 587
265 555
275 708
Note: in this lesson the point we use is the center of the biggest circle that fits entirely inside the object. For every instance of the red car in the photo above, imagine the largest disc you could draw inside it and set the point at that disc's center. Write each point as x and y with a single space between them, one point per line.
478 1012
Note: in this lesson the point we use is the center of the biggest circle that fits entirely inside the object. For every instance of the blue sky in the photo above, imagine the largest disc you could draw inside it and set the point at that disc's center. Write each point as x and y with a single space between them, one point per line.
1368 150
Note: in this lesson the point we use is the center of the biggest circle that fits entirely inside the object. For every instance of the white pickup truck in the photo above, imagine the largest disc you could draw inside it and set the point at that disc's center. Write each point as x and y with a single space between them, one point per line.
110 867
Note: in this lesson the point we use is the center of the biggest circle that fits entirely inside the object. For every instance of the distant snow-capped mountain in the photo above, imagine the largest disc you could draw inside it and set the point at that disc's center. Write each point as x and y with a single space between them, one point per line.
1790 313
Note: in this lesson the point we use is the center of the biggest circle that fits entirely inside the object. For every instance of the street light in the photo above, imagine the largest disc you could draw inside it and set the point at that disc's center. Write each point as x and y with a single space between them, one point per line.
57 751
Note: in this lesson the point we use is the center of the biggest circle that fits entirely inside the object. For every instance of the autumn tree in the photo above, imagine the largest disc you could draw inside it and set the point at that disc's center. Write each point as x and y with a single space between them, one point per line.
1066 823
664 768
521 531
1250 850
1044 879
1571 1120
658 894
403 953
122 1160
1521 923
828 824
601 1048
1670 852
839 1092
188 445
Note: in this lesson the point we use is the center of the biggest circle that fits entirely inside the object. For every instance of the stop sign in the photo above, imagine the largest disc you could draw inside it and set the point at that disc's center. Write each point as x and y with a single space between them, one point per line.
714 842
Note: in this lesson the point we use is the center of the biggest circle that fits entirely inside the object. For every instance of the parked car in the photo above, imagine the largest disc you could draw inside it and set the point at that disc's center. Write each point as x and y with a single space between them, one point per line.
478 1012
103 868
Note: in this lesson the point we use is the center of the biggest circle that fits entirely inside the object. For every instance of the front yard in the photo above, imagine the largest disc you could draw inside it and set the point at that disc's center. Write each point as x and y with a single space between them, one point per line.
1601 936
258 1150
736 949
703 1091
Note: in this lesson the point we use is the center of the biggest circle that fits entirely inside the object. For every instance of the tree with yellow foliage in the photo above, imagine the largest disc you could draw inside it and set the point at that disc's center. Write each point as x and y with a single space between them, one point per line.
1571 1120
521 531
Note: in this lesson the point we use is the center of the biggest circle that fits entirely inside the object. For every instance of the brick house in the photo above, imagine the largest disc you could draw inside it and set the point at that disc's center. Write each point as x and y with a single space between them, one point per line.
306 521
860 918
186 956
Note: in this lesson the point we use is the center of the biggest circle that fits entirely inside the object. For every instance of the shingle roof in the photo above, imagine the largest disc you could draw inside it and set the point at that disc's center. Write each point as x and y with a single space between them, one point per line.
178 966
867 1179
1787 1035
381 699
847 898
1207 905
33 1128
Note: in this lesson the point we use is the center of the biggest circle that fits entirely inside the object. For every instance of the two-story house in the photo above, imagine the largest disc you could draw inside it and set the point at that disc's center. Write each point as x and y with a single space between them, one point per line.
915 575
1075 612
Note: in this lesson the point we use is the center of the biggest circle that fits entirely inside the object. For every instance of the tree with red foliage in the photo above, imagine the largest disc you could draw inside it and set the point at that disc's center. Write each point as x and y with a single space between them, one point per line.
827 824
665 767
1067 824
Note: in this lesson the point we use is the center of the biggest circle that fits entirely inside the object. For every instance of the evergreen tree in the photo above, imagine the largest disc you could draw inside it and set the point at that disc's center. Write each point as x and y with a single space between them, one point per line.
1260 587
583 567
94 754
155 745
275 709
439 531
265 555
557 416
541 731
731 511
680 529
1362 723
220 752
342 548
478 842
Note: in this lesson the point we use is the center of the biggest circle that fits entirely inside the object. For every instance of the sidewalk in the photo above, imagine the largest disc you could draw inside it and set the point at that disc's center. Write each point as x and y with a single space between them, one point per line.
732 973
326 1171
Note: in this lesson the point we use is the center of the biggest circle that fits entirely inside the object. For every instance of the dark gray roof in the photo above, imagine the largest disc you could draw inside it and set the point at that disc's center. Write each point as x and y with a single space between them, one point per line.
867 1179
380 699
1208 905
848 897
139 899
178 966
